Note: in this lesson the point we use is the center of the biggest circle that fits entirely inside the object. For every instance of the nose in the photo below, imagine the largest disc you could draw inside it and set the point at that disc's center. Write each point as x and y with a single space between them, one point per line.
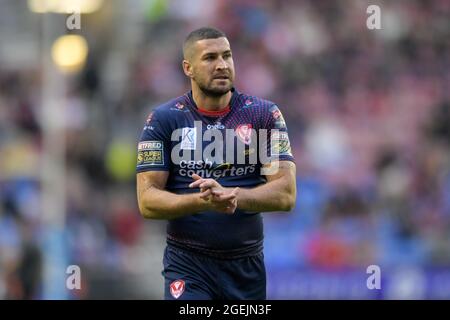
221 64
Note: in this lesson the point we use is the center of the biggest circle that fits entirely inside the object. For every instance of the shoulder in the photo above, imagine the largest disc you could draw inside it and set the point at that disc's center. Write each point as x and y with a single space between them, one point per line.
267 112
170 108
264 110
162 117
165 111
254 103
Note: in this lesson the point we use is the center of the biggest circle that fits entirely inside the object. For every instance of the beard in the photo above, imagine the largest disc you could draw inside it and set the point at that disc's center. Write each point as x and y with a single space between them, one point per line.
212 90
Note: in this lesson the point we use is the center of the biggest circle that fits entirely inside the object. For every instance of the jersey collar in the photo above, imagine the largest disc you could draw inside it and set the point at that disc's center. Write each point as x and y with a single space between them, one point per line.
234 92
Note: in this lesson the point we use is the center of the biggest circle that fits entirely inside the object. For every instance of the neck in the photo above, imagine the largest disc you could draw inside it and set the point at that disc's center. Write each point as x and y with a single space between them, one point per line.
210 103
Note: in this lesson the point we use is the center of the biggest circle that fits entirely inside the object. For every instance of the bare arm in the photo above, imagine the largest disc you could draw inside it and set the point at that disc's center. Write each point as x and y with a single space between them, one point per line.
278 194
156 203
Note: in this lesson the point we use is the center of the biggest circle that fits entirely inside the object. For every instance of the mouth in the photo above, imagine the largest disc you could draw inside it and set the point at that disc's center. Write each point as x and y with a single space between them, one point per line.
223 77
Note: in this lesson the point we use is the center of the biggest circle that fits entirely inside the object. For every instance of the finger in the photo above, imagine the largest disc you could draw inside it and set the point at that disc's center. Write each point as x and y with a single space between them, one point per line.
225 197
196 184
230 206
204 195
216 192
196 177
207 183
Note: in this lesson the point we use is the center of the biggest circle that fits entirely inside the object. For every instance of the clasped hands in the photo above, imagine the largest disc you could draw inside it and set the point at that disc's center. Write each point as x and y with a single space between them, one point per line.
217 197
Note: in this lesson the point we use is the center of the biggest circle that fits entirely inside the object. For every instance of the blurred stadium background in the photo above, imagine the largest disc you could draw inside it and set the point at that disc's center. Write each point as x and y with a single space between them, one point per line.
368 116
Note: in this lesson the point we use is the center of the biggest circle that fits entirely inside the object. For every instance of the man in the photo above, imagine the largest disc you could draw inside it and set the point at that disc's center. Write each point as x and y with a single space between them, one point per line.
215 232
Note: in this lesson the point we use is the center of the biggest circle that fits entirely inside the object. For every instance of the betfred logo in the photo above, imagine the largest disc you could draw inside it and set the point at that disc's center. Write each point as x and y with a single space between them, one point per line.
244 133
150 145
177 288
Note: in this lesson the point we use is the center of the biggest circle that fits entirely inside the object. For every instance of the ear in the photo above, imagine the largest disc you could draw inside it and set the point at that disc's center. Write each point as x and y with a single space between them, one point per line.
187 68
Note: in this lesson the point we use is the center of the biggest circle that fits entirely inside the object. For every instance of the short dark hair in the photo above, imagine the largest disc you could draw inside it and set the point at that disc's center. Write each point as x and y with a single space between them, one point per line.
201 34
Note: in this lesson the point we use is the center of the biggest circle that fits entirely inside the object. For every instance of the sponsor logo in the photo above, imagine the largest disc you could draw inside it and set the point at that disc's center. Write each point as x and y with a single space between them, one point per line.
188 138
192 164
223 166
216 126
146 158
177 288
150 153
208 169
279 144
242 147
278 116
244 133
150 145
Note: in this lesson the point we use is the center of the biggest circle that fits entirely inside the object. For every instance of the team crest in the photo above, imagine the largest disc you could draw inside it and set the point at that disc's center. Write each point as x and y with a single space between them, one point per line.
244 133
177 288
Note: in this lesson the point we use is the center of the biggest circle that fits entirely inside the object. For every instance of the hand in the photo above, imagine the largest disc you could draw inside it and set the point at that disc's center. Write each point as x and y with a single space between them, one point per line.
219 198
